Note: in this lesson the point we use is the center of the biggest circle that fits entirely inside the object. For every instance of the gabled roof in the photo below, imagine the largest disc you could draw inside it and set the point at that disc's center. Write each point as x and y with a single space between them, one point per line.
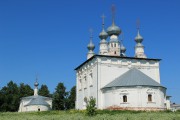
38 100
133 77
115 57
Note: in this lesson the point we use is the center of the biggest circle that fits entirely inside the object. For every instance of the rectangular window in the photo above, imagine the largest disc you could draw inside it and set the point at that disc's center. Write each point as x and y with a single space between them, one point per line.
80 84
91 79
124 98
85 82
149 98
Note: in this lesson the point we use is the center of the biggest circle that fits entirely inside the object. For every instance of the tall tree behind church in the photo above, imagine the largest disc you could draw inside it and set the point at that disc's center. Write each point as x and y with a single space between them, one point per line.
11 98
25 90
43 91
60 97
72 98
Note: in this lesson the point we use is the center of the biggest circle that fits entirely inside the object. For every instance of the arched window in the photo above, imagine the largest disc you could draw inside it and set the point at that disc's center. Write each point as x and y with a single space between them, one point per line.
115 45
115 52
149 98
85 101
111 45
124 98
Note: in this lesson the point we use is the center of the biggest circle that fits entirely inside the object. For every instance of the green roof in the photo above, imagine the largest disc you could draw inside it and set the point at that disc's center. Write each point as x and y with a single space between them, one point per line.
37 100
133 77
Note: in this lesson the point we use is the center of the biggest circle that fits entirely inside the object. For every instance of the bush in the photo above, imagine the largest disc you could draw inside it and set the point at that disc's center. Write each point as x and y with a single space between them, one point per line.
91 107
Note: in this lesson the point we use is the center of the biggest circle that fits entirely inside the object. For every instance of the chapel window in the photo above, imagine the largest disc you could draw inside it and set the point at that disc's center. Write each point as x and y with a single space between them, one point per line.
124 98
80 84
85 82
149 98
85 101
91 79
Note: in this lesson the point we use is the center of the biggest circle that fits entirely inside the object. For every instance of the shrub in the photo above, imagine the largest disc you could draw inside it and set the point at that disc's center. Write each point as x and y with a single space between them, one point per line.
91 107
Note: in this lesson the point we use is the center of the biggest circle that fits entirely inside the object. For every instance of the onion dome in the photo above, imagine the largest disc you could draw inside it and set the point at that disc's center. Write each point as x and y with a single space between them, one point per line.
91 46
36 84
123 49
138 38
113 30
103 35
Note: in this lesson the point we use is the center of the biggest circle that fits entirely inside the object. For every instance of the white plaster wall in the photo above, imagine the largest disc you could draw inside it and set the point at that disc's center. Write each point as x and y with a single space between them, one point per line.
24 108
103 48
113 68
139 50
89 87
136 97
49 101
105 70
35 108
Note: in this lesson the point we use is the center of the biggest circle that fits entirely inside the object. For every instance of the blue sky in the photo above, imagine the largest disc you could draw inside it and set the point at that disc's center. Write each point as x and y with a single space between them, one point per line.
49 37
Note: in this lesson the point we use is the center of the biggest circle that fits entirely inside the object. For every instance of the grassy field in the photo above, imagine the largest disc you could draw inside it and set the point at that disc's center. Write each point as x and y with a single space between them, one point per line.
80 115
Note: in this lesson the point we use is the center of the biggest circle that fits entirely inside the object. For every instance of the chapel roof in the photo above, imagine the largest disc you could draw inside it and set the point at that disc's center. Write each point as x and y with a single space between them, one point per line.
133 77
37 100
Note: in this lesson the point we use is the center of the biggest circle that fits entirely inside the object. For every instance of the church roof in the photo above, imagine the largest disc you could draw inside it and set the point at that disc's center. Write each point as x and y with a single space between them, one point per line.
37 100
133 77
115 57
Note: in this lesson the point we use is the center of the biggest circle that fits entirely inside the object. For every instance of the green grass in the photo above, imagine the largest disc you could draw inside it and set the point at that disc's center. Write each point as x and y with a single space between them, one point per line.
101 115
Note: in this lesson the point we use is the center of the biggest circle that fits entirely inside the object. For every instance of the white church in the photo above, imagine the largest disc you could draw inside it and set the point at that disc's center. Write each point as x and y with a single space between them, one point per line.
119 82
35 102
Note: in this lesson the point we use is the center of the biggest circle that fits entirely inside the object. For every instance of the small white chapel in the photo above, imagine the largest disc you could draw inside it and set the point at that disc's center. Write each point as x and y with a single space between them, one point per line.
35 102
117 81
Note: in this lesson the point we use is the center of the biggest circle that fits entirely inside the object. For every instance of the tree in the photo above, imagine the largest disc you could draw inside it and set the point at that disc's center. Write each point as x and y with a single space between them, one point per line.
25 90
91 107
72 98
43 91
1 100
59 97
11 97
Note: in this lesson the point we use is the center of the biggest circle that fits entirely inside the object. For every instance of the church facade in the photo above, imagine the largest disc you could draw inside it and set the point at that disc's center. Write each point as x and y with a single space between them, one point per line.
117 81
36 102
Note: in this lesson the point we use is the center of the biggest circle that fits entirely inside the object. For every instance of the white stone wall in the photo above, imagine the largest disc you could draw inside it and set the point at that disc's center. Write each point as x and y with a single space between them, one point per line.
104 70
114 47
88 86
34 108
24 108
137 98
103 47
112 68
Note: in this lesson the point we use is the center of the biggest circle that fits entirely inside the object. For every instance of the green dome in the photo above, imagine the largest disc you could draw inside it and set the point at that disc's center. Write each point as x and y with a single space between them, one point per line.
103 35
113 30
123 49
138 38
91 46
36 84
